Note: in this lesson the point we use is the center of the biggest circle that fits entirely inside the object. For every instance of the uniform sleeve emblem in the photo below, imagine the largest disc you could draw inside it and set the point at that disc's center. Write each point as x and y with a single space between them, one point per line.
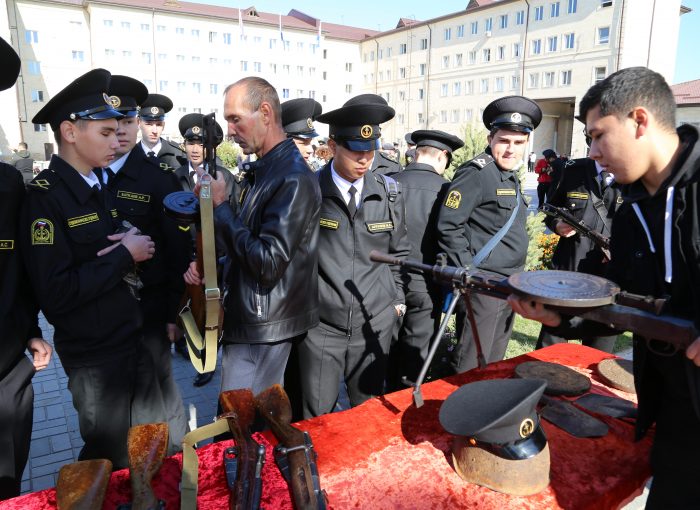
42 231
453 199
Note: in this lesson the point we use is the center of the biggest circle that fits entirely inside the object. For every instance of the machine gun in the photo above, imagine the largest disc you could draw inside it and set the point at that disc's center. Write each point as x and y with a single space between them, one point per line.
201 316
559 213
577 294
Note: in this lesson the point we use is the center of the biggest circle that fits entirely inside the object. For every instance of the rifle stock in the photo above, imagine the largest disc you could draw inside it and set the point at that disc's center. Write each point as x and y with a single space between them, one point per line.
147 447
602 242
82 485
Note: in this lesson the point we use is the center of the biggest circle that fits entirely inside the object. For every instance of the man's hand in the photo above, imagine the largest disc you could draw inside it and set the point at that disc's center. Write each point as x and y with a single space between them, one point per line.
140 247
534 311
219 193
192 276
173 332
693 352
564 229
41 352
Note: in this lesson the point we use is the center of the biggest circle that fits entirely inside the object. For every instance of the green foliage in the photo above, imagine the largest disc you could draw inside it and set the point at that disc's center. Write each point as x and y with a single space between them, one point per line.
535 250
227 152
474 143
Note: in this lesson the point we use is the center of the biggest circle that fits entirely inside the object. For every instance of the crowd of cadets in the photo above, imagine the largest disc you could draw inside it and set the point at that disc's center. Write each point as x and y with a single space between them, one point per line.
305 305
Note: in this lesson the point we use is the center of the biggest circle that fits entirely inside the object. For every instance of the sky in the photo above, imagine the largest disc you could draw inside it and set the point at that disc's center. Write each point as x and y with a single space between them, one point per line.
384 16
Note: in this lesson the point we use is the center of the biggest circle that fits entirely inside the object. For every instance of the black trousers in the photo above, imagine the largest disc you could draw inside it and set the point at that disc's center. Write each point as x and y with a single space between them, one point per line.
16 415
494 321
602 343
328 354
542 190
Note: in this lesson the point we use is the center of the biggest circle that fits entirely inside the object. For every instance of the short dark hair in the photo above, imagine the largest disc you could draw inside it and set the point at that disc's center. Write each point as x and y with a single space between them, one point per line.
258 91
622 91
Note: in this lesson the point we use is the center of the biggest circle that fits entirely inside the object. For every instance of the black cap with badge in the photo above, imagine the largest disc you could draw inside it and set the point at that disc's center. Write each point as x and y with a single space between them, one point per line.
85 98
356 124
298 117
438 139
155 107
9 63
191 128
126 94
515 113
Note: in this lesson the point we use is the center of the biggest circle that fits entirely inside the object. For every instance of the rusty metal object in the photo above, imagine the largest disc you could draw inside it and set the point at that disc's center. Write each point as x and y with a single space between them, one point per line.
561 380
617 373
516 477
571 419
564 288
82 485
148 445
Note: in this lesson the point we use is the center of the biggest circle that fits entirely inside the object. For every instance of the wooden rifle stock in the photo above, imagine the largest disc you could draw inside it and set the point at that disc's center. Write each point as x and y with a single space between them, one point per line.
147 447
294 453
82 485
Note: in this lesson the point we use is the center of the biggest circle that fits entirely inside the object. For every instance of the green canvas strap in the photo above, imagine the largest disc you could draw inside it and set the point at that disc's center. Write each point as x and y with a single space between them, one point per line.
190 461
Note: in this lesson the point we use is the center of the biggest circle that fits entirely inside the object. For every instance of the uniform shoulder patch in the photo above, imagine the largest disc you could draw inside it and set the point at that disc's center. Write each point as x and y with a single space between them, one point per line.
166 168
43 181
42 231
481 160
454 198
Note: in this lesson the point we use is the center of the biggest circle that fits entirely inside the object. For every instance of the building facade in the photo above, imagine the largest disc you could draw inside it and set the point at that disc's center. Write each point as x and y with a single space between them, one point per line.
441 73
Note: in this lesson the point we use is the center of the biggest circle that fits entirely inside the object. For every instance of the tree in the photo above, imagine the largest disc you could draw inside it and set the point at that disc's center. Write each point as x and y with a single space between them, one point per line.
227 152
474 143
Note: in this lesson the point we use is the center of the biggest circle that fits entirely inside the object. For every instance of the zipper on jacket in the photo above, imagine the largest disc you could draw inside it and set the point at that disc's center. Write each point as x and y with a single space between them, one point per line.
258 301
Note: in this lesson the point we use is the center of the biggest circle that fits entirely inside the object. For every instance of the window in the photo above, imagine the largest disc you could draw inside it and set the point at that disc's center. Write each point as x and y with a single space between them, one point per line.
38 128
388 52
606 3
599 74
161 28
273 45
163 85
226 37
145 27
539 13
31 36
76 24
213 61
402 72
520 17
109 53
312 94
445 61
503 21
181 86
443 90
500 52
388 74
421 69
517 50
300 46
552 43
244 65
604 35
380 76
195 60
126 25
448 34
162 56
565 78
402 95
257 67
300 93
37 96
148 83
572 7
424 44
533 80
107 22
488 24
498 84
273 68
181 109
460 31
212 37
484 85
179 31
179 58
195 33
458 60
300 70
227 61
421 93
380 54
420 118
126 54
348 88
486 55
514 82
569 40
474 27
78 56
400 118
468 115
472 57
469 85
285 93
457 88
443 116
402 49
536 47
454 116
257 40
213 88
548 79
554 10
197 110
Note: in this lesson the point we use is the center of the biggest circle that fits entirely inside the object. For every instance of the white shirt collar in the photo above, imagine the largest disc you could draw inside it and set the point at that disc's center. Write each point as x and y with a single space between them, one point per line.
156 148
344 186
91 179
195 176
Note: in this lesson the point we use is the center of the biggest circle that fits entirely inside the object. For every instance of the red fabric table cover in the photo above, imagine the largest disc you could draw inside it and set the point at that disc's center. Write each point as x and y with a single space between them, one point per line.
387 454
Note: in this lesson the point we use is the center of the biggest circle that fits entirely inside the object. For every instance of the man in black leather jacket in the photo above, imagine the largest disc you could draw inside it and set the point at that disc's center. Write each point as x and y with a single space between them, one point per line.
273 281
630 118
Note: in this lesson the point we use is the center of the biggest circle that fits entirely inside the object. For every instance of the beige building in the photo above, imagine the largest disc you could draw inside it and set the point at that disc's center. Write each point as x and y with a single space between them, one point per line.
441 73
189 52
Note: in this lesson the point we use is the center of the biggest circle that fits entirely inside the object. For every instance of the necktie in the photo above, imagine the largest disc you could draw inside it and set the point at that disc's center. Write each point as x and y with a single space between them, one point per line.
151 154
110 176
606 179
352 204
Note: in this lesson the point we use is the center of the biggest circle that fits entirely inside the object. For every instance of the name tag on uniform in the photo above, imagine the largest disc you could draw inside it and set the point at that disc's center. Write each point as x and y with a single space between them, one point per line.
82 220
128 195
331 224
577 194
384 226
7 244
505 192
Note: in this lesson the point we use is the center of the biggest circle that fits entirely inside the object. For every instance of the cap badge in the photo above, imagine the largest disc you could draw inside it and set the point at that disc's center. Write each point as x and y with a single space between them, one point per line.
516 118
154 110
116 102
310 123
366 131
196 130
106 98
526 427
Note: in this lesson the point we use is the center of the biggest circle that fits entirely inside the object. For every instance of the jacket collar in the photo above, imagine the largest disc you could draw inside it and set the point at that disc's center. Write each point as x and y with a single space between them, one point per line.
422 167
262 166
74 182
370 188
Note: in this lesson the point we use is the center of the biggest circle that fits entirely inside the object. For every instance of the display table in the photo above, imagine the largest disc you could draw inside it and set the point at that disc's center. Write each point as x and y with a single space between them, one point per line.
387 454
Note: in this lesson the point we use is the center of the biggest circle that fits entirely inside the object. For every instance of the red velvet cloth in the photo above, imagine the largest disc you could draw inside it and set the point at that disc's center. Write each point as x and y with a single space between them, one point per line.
388 454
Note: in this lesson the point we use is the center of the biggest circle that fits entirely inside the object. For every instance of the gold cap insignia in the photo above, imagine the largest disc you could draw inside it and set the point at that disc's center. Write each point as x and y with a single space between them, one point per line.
516 117
527 427
116 102
154 110
196 130
453 199
366 131
106 98
310 123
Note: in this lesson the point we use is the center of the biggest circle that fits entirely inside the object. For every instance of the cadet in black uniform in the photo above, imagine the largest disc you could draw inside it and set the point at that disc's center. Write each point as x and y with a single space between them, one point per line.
137 185
423 188
484 203
77 268
18 320
591 196
298 117
151 124
359 300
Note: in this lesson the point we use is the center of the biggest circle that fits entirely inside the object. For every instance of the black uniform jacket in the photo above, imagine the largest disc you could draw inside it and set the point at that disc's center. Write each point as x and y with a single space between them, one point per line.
64 224
636 269
137 191
171 154
273 245
353 289
18 313
579 191
423 190
479 201
383 164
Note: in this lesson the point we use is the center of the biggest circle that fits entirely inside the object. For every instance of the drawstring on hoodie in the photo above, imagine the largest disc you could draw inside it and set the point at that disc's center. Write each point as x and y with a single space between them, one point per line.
668 216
